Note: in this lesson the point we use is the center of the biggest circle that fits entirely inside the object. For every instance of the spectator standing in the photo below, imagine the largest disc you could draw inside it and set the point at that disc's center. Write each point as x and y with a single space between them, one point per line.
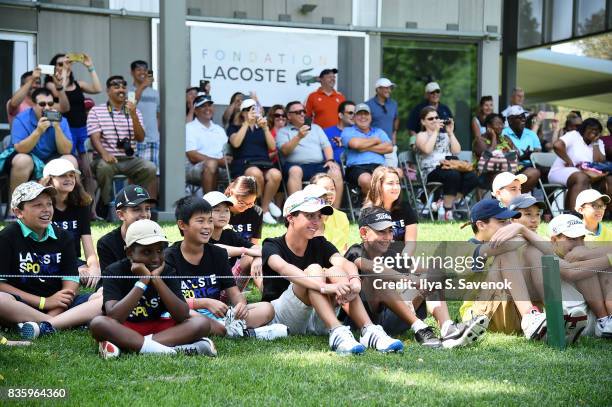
485 108
22 99
346 118
277 119
190 95
322 104
384 109
517 98
432 98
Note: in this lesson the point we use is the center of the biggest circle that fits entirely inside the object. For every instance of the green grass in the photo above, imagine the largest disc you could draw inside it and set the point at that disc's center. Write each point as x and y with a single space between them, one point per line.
502 370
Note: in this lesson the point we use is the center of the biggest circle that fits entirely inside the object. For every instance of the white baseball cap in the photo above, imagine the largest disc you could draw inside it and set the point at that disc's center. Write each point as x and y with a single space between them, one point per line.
59 166
568 225
247 104
144 232
384 83
515 110
214 198
590 196
503 179
432 86
315 190
300 201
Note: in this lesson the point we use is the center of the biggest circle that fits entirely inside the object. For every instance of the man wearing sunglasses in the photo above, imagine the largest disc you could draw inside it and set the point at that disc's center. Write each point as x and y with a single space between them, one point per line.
346 118
35 140
114 128
432 98
384 109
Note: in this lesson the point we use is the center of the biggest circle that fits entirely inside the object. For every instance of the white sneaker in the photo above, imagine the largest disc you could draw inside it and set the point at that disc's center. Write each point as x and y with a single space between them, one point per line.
534 325
234 328
374 336
108 350
274 210
604 330
465 333
267 218
575 323
343 342
202 347
269 332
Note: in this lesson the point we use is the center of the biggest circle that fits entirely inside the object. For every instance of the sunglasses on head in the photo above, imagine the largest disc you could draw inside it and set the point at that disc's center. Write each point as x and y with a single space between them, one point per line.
43 104
298 111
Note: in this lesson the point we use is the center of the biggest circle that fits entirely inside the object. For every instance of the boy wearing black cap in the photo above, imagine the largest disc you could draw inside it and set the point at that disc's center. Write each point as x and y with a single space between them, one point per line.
132 203
394 313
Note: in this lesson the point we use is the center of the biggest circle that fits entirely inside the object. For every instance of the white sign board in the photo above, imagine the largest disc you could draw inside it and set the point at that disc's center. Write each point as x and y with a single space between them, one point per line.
278 64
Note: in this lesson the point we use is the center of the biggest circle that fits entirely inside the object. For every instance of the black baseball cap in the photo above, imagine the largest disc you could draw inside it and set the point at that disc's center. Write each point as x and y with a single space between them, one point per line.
376 218
131 196
326 71
491 208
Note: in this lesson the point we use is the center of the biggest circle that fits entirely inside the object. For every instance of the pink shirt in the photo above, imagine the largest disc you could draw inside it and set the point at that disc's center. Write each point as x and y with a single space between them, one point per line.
26 104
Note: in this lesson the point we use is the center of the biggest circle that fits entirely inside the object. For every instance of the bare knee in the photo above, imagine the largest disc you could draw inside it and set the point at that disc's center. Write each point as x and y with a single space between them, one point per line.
296 173
99 325
22 162
274 175
201 325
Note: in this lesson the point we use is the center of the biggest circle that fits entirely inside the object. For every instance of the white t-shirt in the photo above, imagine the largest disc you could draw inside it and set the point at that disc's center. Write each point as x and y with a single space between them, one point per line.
577 150
205 140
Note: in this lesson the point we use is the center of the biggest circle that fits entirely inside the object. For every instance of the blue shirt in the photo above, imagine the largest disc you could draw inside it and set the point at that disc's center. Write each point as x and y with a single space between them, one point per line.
355 157
414 120
332 133
383 116
25 123
528 139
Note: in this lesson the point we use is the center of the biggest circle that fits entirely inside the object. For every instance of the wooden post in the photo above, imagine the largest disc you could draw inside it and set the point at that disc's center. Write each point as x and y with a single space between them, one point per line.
552 301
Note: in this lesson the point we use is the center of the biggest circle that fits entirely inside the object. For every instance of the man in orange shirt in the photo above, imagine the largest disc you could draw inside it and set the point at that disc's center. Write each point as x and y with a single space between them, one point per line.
322 104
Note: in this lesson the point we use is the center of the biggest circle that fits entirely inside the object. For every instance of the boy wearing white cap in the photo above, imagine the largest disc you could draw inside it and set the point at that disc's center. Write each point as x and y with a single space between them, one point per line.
591 204
317 279
134 307
507 186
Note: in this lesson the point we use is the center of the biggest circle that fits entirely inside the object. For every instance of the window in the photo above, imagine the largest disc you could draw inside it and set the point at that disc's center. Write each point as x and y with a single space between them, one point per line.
562 13
591 16
530 23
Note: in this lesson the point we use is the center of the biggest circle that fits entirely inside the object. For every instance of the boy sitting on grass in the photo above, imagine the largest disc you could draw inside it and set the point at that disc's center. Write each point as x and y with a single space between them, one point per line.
133 307
45 296
591 204
386 306
207 273
317 281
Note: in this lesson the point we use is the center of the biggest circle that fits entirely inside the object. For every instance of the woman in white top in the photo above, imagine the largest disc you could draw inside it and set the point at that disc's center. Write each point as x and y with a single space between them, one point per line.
573 149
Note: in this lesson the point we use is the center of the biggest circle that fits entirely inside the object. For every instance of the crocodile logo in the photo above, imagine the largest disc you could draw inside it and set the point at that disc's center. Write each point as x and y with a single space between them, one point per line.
302 77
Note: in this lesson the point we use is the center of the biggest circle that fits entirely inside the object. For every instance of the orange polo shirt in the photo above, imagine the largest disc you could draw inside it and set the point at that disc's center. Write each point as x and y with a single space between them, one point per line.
324 109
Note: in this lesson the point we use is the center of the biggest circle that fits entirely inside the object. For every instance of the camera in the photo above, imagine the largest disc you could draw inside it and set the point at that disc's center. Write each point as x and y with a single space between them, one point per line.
126 145
52 115
446 122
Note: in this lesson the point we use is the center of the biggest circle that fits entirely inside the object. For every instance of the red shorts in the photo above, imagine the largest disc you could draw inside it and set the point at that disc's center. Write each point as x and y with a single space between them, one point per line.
150 327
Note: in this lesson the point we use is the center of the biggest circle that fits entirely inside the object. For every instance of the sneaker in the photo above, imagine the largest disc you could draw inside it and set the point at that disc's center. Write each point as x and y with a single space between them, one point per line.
267 218
274 210
604 329
575 323
108 350
533 325
448 215
32 330
427 337
373 336
234 328
435 205
202 347
465 333
269 332
342 341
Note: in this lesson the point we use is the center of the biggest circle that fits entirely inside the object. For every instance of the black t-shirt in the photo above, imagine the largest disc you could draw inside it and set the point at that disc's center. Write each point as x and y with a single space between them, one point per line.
74 220
111 248
21 255
212 266
248 223
253 147
318 251
150 306
230 238
402 216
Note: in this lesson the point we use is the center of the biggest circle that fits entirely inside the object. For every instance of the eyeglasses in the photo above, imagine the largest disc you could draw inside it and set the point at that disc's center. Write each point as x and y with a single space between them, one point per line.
298 112
279 116
597 207
350 113
244 204
43 104
435 91
432 118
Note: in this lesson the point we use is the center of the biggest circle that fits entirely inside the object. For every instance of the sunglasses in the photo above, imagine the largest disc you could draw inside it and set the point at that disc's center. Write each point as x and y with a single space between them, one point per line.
43 104
279 116
298 112
118 84
432 118
435 91
350 113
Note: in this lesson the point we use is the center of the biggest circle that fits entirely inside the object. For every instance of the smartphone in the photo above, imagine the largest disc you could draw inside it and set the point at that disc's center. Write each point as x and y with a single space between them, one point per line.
47 69
308 121
150 74
52 115
132 96
203 85
75 57
549 115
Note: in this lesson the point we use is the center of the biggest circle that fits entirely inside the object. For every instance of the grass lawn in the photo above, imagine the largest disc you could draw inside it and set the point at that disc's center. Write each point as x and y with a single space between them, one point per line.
502 370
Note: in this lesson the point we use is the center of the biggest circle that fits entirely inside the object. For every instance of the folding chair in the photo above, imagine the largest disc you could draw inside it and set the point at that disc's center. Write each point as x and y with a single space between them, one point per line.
404 160
224 175
352 197
428 189
551 191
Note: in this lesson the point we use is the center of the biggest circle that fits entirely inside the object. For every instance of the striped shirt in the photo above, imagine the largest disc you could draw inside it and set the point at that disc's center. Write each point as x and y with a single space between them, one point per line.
112 127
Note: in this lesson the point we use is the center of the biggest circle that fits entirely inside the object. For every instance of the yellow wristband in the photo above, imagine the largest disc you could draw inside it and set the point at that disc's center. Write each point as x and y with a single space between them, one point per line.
41 304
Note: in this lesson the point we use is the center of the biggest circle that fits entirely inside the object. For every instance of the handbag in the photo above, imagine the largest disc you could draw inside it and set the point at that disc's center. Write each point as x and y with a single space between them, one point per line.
497 161
458 165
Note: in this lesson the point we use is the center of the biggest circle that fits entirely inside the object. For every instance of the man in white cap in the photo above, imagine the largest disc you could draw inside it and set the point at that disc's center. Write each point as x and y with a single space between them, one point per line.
507 186
317 281
204 145
432 98
384 109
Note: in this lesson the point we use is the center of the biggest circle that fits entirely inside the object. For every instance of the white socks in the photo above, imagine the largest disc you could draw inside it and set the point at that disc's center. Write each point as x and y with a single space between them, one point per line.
418 325
444 327
150 346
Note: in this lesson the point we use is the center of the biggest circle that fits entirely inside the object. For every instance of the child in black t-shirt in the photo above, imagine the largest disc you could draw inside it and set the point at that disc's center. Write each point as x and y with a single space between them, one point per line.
71 213
207 273
244 256
44 295
135 308
246 217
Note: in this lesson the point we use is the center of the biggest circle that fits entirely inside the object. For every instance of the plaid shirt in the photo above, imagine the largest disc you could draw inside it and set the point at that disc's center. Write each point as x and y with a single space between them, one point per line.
113 127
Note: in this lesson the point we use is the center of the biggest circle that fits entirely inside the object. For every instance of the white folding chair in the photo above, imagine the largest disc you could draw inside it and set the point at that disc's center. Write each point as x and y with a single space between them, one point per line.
553 193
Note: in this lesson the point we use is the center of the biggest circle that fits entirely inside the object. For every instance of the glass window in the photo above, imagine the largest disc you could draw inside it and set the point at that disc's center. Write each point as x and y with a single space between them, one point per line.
591 16
530 23
562 12
411 64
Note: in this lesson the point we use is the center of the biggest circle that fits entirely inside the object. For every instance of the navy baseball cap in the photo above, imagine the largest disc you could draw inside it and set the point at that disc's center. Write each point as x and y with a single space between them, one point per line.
132 196
492 208
326 71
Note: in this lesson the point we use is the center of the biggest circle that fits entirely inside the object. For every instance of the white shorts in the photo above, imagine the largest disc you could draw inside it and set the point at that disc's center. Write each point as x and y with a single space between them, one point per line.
301 319
561 175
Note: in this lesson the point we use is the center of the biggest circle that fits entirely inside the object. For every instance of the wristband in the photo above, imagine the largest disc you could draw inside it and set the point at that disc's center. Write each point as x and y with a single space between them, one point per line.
141 285
41 304
352 277
330 160
91 68
190 302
